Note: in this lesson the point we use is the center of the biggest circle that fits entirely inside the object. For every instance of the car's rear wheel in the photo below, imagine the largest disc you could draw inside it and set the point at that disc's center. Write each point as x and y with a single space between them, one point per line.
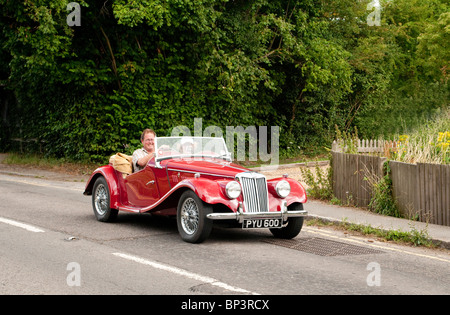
101 201
192 223
293 227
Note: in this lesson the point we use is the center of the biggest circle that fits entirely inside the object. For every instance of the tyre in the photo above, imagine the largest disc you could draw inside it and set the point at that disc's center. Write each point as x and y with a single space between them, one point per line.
193 225
293 227
101 201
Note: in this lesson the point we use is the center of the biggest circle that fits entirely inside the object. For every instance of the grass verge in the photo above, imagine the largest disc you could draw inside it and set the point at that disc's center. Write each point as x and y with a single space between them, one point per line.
48 163
413 237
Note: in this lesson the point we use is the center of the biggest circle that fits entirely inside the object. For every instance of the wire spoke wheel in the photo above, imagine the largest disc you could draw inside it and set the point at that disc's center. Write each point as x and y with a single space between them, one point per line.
101 199
192 223
101 202
189 216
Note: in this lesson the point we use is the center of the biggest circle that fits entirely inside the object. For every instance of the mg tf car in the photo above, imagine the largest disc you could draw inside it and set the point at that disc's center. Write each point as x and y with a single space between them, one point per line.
195 180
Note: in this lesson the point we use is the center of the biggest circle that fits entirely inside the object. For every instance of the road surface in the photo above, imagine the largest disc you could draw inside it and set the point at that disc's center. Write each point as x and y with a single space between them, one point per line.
51 243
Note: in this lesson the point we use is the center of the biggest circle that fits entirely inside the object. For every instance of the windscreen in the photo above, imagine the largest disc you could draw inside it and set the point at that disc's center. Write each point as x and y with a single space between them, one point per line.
197 147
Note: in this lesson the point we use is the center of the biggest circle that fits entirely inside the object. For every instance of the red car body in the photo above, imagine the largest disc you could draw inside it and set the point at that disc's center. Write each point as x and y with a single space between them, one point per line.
157 189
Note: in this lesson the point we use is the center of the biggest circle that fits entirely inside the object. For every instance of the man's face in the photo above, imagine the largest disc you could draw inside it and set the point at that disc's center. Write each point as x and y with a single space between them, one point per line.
149 142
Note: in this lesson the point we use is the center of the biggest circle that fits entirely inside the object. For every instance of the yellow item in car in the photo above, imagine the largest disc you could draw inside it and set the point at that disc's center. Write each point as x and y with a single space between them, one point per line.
122 163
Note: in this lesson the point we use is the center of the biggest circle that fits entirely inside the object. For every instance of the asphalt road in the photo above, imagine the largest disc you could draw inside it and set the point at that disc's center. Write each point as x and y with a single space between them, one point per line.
51 243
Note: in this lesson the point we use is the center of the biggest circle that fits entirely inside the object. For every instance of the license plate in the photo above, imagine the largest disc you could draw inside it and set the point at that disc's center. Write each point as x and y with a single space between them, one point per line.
262 223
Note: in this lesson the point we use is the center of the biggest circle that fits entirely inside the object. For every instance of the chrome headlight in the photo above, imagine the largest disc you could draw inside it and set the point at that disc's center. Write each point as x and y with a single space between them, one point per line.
283 188
233 189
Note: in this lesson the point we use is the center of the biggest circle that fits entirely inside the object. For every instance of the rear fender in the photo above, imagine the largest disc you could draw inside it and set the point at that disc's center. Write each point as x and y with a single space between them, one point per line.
110 175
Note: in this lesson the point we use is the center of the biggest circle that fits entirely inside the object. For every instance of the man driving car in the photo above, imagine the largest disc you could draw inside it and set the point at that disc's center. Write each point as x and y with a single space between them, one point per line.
147 152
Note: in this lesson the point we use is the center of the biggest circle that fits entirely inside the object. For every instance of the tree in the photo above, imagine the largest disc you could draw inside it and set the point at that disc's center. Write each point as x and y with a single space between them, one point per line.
304 66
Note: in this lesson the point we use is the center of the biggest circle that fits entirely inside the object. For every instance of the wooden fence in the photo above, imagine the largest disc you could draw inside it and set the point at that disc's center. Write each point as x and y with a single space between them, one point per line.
365 146
27 142
350 172
420 190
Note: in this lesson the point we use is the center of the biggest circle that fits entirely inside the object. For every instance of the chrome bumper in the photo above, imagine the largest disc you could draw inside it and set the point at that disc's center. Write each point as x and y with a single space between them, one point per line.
240 215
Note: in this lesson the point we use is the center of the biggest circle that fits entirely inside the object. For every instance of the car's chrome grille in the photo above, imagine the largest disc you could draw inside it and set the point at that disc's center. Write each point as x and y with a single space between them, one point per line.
254 191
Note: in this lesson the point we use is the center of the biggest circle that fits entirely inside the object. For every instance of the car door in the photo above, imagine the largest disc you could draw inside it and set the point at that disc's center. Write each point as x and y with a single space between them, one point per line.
142 188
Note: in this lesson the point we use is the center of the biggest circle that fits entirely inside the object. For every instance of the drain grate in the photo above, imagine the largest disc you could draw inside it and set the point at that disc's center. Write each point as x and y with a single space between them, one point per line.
323 247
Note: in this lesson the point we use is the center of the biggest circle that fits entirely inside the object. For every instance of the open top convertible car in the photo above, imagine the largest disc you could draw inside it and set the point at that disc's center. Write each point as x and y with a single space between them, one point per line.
194 179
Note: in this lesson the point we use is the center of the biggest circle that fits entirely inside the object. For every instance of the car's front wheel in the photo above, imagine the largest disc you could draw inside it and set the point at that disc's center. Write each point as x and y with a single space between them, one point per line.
192 223
293 227
101 201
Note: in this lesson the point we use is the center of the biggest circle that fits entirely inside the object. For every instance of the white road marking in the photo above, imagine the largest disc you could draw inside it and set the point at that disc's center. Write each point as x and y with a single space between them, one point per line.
21 225
184 273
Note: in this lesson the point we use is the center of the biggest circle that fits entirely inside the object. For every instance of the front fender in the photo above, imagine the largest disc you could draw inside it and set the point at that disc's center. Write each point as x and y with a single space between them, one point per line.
297 194
110 175
211 191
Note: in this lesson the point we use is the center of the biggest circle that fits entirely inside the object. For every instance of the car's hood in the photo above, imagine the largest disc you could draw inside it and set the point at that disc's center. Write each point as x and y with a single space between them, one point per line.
206 166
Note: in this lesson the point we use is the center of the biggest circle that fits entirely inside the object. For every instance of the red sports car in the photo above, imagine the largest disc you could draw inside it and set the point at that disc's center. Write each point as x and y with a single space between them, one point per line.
194 179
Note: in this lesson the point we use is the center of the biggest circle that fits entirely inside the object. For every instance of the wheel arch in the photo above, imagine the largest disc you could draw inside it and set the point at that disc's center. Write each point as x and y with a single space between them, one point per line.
209 192
109 174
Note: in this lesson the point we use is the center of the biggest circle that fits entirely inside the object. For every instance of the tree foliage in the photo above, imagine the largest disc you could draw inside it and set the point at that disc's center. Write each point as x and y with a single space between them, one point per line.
305 66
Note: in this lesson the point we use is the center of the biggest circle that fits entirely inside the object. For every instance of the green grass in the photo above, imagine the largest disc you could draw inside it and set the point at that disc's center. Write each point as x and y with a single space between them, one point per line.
32 159
413 237
429 144
49 163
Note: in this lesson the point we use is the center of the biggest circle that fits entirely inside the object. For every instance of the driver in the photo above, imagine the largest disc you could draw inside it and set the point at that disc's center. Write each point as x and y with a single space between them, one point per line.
147 152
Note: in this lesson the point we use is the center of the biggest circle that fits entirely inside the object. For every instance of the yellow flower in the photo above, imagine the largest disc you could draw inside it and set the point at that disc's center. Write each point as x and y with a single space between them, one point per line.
443 145
442 136
403 138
